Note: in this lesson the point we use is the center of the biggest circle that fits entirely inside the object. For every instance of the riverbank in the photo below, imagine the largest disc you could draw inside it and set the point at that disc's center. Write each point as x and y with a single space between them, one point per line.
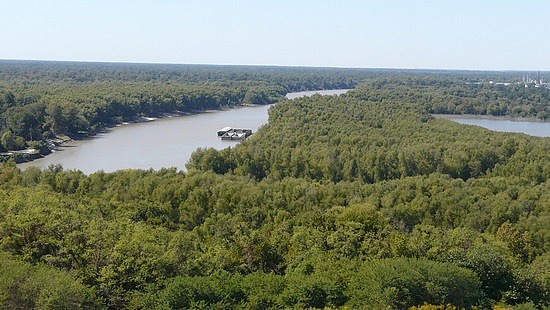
21 156
168 140
144 119
323 92
61 141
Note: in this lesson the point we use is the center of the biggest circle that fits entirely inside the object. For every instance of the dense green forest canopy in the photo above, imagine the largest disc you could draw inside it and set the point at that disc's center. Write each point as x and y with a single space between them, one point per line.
361 201
443 96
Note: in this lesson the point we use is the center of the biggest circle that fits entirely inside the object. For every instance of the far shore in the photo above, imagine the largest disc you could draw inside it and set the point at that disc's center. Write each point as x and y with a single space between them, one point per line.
144 119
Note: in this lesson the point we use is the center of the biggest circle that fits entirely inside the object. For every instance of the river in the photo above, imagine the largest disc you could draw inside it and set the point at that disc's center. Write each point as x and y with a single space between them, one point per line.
169 142
314 92
165 142
533 128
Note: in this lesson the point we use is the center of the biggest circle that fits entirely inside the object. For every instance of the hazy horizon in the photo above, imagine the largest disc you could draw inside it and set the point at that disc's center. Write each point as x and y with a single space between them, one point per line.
397 34
262 65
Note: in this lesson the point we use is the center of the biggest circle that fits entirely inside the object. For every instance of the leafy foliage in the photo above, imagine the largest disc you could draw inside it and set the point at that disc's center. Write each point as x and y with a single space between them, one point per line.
23 286
357 201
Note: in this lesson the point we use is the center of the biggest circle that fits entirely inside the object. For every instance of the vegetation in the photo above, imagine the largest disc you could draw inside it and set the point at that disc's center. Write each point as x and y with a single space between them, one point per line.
40 287
445 96
339 202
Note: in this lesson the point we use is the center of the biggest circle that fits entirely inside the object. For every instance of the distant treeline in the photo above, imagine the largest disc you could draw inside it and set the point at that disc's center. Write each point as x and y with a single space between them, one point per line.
338 202
447 96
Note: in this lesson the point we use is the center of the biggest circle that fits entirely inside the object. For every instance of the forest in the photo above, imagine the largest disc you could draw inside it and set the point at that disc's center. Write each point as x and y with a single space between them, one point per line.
358 201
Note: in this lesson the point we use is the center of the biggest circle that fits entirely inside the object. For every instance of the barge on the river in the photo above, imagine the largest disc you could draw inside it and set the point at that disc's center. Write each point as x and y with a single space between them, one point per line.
229 133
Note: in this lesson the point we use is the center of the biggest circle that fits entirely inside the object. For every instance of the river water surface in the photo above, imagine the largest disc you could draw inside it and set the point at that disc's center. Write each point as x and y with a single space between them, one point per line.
533 128
166 142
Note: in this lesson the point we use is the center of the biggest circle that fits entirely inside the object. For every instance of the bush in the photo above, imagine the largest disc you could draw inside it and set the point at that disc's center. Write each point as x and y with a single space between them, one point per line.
401 283
23 286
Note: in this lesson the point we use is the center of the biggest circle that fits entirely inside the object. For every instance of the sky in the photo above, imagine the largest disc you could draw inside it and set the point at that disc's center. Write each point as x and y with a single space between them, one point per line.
407 34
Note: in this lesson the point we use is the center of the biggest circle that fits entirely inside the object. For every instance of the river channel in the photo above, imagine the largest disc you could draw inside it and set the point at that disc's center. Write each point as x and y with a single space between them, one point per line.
169 142
166 142
533 128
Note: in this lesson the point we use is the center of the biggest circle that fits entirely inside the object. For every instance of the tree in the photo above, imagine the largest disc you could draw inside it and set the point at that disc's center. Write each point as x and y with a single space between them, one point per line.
401 283
8 141
23 286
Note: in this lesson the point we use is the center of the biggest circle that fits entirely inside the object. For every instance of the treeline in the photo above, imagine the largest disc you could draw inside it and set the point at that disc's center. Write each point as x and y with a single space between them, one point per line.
295 78
337 202
459 96
84 109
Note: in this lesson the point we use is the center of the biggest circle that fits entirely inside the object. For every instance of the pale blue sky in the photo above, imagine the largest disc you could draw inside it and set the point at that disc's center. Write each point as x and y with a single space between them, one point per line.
453 34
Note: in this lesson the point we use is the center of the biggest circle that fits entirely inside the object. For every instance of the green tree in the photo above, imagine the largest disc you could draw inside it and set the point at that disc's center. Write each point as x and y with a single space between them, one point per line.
402 283
8 141
23 286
